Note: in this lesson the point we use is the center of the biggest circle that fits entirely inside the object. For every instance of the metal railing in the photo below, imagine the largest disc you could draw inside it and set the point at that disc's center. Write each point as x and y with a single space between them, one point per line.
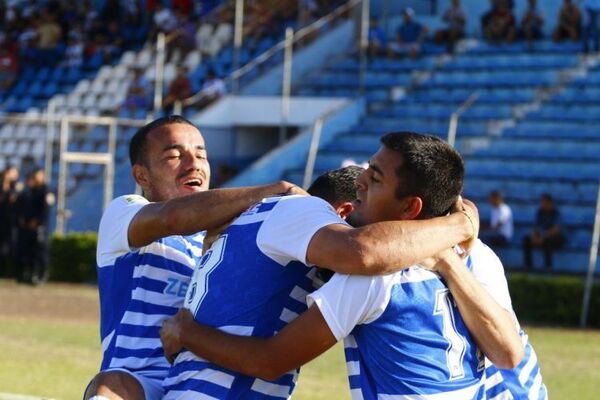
587 294
315 141
453 124
234 77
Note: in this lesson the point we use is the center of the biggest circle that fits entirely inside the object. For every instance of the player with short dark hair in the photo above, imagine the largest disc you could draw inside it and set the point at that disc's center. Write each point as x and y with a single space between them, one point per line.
148 247
414 341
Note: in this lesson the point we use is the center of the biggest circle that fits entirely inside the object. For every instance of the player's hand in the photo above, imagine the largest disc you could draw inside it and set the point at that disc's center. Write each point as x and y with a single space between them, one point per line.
212 235
470 210
439 261
170 334
296 190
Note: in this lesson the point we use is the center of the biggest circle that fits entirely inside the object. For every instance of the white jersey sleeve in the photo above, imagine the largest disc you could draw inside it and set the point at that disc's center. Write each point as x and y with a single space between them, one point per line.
114 224
349 300
489 272
290 226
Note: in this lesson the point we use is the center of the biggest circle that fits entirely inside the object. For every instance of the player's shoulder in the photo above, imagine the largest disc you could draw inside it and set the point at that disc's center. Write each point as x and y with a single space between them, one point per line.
128 200
482 252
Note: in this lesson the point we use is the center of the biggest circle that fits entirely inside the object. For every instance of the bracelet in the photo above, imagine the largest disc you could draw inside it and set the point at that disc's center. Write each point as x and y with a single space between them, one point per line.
470 220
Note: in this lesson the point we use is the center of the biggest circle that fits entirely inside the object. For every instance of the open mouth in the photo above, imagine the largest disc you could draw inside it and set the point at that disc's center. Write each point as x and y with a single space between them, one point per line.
193 183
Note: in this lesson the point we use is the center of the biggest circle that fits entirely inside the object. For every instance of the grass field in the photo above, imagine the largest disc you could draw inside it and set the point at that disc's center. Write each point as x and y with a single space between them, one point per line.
49 348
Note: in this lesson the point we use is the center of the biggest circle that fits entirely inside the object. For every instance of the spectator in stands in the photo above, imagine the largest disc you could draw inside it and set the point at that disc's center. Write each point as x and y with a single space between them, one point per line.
8 67
49 32
569 22
500 230
179 89
532 23
138 93
212 89
591 26
377 38
455 17
73 54
33 206
164 19
182 38
9 190
500 25
546 233
410 35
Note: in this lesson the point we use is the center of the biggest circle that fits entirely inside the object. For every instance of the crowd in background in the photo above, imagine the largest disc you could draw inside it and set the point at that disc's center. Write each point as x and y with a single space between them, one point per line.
498 25
24 210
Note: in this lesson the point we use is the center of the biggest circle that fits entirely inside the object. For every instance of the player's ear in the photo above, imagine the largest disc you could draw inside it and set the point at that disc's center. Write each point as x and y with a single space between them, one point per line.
140 175
343 209
411 207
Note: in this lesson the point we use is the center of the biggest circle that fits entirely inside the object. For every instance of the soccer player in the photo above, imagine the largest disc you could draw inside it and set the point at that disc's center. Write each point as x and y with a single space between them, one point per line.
421 340
148 247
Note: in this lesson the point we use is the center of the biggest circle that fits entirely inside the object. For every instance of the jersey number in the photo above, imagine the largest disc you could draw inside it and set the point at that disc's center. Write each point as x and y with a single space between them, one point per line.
199 283
457 344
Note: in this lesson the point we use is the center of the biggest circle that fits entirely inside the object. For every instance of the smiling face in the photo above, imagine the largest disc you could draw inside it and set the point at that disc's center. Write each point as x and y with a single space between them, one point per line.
175 163
376 194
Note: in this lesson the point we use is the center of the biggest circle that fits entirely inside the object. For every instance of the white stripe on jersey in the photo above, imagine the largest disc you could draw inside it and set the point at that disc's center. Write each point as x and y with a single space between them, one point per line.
160 249
140 319
135 362
504 395
299 294
534 391
288 315
137 343
240 330
250 219
189 395
207 374
493 380
350 342
270 389
159 274
466 393
356 394
106 341
155 298
353 368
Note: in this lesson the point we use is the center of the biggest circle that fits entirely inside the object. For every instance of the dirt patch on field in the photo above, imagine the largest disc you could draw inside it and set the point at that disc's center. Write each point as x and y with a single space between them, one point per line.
56 301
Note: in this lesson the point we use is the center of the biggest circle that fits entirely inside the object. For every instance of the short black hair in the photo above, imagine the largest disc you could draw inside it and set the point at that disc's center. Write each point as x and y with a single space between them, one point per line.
338 185
430 169
547 196
137 145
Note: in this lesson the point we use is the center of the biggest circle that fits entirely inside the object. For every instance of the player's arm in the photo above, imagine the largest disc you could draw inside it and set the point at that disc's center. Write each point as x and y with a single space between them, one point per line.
302 340
385 247
492 327
199 211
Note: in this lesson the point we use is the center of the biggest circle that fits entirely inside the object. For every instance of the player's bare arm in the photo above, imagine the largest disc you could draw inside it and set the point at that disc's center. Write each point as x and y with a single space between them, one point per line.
492 327
385 247
188 214
304 339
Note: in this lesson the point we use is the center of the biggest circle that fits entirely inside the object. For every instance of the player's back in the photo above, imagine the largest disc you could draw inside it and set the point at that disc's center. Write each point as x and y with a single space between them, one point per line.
416 344
250 283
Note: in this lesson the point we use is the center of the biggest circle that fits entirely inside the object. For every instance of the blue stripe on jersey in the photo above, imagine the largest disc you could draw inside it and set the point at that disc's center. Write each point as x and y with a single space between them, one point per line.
121 352
150 284
159 288
509 378
351 354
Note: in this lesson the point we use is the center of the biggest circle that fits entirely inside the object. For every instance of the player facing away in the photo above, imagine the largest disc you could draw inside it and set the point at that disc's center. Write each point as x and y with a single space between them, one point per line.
147 249
405 337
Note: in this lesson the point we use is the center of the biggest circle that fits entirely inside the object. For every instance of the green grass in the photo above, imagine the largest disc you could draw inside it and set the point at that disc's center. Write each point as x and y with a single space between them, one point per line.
54 356
52 359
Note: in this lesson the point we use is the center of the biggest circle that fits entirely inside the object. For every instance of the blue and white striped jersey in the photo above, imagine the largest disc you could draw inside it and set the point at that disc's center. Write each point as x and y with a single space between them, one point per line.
404 336
523 382
139 288
252 281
